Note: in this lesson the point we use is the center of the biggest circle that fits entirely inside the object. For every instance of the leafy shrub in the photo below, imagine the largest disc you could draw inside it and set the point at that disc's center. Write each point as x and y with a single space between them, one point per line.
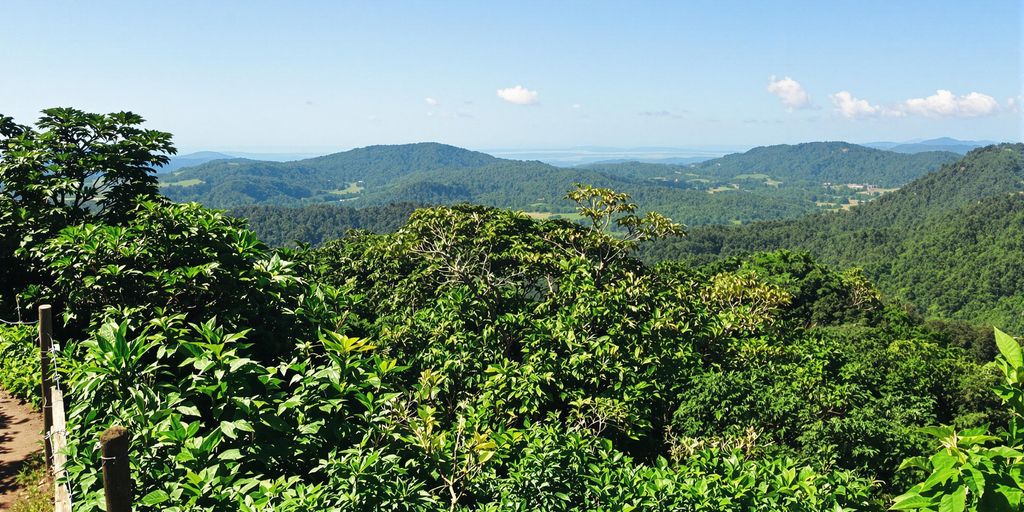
177 258
974 470
559 470
19 363
215 429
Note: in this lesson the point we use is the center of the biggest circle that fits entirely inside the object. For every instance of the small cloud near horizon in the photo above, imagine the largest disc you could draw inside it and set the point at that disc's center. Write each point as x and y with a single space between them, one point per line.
518 95
431 101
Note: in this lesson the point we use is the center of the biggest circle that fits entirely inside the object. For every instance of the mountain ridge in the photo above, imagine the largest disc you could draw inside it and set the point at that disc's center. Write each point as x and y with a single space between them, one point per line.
962 221
364 175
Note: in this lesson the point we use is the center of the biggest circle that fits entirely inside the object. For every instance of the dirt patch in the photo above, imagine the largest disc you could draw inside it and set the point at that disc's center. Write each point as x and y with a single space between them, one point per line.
20 440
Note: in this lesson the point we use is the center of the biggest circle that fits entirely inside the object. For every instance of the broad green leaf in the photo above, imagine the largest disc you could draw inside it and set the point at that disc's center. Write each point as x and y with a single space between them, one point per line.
154 498
915 462
910 501
955 501
232 454
1009 348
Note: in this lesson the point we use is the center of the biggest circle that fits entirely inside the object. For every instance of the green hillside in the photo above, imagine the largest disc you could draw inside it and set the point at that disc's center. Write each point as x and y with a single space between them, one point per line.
835 162
950 242
235 182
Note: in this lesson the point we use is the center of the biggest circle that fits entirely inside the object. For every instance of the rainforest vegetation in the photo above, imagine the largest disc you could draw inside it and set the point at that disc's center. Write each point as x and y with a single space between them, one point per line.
477 358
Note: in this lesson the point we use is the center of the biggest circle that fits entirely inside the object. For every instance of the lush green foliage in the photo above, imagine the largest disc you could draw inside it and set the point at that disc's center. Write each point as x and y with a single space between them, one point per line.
77 160
692 339
279 226
171 258
477 359
19 363
74 167
969 472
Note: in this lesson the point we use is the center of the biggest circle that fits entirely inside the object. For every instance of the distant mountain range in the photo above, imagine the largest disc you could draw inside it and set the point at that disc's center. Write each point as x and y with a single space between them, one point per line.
941 144
589 155
764 183
201 157
193 159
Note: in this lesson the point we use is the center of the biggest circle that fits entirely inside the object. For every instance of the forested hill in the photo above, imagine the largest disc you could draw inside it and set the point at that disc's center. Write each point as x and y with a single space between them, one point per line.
240 181
836 162
950 242
785 184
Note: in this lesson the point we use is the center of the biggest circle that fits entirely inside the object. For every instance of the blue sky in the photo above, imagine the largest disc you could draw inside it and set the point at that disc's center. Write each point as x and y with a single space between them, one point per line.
320 76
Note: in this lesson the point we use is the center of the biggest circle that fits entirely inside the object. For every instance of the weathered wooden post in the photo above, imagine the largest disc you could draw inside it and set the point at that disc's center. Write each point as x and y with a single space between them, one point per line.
117 479
45 325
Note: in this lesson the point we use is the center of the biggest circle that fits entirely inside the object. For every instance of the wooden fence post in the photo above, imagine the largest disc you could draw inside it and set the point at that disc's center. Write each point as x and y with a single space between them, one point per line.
59 444
45 342
117 479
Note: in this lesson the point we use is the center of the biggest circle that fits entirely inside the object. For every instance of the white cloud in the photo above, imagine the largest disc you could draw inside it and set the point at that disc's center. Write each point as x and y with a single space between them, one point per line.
577 106
946 104
790 91
941 104
431 101
851 107
518 95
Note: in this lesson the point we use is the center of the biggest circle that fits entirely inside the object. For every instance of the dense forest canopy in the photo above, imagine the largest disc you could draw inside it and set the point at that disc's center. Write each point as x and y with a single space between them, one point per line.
280 226
950 242
478 359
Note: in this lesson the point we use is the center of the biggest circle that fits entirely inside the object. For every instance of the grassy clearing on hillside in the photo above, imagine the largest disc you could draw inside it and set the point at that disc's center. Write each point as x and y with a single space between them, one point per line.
724 188
352 188
575 217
